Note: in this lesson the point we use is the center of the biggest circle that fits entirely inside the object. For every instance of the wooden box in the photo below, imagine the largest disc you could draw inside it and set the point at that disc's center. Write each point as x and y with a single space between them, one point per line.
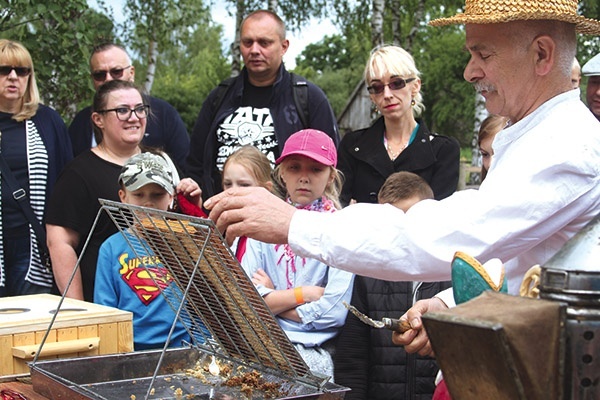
80 329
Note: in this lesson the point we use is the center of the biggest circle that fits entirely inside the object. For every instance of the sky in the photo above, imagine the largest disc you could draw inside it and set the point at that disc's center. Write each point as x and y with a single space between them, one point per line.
311 33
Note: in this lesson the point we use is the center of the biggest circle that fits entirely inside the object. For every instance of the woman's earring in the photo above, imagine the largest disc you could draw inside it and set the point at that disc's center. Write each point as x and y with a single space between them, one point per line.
374 111
413 102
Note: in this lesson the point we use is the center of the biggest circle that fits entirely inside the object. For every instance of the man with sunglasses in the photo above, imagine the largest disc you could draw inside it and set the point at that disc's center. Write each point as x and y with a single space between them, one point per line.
258 107
165 128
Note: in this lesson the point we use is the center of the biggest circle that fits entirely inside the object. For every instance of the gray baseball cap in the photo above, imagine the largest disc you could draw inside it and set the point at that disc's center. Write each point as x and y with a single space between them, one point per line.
145 168
592 67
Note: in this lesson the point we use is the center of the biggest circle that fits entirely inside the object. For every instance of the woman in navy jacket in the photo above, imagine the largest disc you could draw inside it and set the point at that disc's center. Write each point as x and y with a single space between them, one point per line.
35 147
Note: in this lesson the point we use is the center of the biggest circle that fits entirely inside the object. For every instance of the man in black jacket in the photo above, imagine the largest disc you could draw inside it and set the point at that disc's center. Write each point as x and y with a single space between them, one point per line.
257 107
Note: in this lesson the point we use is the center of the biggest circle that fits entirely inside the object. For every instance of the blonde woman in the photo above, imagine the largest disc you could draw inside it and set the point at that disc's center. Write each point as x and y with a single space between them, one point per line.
397 140
34 146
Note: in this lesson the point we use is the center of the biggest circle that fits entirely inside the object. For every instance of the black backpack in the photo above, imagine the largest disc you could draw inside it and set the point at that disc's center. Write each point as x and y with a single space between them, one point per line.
299 90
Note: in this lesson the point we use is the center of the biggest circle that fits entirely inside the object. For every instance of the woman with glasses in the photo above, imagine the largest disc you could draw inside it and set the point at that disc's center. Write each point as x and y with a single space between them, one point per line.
34 147
366 360
397 140
119 115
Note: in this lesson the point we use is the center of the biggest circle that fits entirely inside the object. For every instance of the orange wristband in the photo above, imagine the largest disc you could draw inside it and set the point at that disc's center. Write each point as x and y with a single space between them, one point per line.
298 294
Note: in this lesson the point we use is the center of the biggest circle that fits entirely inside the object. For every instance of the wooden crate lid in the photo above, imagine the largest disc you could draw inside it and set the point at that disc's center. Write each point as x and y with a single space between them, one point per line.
34 312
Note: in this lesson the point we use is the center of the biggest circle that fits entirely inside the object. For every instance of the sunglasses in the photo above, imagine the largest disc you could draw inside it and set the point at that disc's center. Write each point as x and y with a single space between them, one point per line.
116 73
396 84
124 113
5 70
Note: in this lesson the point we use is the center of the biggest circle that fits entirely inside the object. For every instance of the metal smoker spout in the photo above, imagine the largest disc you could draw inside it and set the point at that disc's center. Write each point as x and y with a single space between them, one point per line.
572 276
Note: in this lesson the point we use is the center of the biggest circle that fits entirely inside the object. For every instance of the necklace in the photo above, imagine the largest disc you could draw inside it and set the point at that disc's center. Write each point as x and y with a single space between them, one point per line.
393 154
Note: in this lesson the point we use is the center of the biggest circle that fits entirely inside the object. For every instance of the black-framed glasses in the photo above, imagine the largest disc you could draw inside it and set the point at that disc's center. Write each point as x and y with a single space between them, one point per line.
124 113
20 71
395 84
116 73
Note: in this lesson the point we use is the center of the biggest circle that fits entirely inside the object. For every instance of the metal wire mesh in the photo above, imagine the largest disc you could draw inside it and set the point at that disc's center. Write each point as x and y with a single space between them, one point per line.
216 301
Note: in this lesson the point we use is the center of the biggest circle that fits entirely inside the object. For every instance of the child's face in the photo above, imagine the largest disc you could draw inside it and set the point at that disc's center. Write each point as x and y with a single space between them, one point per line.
485 148
236 175
150 195
305 179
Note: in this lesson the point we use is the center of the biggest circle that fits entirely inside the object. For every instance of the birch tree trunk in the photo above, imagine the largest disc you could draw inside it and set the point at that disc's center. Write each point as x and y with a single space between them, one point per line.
152 58
236 56
396 23
419 15
377 23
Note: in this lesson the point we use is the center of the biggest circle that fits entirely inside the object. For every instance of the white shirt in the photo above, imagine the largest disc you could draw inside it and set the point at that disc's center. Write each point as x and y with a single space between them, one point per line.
542 188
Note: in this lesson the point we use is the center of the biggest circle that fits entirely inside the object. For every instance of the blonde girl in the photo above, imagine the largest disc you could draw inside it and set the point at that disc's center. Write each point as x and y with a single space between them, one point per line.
305 295
247 166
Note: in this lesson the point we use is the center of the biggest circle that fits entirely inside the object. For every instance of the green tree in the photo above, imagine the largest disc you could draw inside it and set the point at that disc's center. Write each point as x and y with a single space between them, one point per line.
329 53
158 25
448 98
59 36
187 73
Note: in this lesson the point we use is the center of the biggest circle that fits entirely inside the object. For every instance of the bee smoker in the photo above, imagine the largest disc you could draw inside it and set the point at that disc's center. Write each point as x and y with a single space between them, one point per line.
572 276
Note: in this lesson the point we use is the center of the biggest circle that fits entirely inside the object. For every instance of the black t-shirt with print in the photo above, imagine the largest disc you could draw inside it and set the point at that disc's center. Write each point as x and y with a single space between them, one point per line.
251 123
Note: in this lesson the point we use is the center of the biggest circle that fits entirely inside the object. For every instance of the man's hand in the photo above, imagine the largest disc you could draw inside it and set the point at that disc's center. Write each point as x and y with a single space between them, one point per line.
415 340
252 212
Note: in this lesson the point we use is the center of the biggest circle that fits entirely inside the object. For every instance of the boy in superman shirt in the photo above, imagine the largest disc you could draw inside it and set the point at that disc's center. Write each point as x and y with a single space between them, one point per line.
122 281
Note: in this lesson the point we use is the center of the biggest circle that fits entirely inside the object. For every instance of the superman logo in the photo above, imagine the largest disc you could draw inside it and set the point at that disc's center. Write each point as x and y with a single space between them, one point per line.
142 281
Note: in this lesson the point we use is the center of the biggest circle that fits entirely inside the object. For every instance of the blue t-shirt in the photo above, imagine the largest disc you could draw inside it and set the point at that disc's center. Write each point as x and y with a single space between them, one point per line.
123 282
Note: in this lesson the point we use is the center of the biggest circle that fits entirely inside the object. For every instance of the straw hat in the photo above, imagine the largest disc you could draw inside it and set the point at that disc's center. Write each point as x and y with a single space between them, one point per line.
496 11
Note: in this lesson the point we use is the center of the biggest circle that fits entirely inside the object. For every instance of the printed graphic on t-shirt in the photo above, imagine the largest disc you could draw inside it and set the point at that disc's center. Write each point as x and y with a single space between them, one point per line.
247 125
142 280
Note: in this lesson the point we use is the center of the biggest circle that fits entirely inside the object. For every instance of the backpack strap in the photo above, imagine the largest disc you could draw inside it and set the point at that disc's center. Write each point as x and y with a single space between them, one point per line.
222 90
300 93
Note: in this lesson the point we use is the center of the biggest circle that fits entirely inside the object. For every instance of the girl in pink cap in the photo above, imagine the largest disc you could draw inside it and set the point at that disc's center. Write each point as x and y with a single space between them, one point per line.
305 295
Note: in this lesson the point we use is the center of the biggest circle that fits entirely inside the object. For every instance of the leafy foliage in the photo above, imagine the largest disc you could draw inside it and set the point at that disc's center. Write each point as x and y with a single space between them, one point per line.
186 74
449 100
59 35
329 53
160 24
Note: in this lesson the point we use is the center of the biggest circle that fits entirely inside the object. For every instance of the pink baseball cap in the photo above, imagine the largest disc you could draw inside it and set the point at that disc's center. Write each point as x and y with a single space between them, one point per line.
310 143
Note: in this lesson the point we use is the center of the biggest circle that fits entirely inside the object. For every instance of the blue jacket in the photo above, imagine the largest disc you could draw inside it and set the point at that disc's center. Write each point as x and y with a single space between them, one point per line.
201 162
321 319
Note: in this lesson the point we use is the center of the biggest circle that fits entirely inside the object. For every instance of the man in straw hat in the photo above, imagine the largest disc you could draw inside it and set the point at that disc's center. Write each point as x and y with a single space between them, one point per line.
542 186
